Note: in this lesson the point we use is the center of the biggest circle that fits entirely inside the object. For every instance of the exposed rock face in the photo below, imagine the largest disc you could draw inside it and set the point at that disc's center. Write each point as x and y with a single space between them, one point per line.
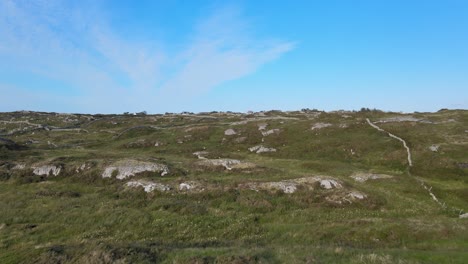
228 164
191 186
47 170
345 197
201 154
434 148
127 169
184 186
262 126
291 186
286 187
230 132
330 184
363 177
271 131
149 186
82 167
356 195
320 126
324 182
261 149
19 166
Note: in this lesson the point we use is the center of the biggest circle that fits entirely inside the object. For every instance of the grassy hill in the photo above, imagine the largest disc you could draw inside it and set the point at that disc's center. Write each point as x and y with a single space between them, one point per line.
268 187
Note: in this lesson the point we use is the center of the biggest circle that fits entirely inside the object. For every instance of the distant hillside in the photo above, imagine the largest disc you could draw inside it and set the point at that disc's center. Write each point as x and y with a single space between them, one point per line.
222 187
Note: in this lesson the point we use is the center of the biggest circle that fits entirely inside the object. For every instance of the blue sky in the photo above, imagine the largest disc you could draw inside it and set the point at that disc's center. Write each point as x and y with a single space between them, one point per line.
96 56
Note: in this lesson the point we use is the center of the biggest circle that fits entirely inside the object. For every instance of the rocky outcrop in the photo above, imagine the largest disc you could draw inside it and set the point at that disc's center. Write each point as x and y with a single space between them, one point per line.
191 186
323 181
130 168
363 177
261 149
20 166
434 148
47 170
291 186
345 198
149 186
320 126
228 164
230 132
262 126
201 154
329 184
284 186
270 132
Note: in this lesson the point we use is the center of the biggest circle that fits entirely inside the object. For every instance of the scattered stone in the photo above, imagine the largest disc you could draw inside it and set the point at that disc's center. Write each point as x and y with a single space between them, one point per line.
284 186
20 166
324 182
157 144
465 215
363 177
127 169
320 126
262 126
291 186
149 186
228 164
47 170
184 186
356 195
261 149
191 186
345 198
271 131
201 154
330 184
230 132
434 148
83 167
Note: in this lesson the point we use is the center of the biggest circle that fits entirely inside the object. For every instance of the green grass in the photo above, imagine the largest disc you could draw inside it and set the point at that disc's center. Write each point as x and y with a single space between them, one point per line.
82 218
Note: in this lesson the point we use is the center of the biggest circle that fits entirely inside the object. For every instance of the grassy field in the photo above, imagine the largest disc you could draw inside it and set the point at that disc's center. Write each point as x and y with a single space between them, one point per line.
234 213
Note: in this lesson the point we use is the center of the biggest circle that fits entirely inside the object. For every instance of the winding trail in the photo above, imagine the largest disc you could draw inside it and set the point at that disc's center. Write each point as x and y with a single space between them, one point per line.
410 163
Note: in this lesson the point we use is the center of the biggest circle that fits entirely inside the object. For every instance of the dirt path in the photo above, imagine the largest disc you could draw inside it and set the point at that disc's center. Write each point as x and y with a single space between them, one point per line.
410 163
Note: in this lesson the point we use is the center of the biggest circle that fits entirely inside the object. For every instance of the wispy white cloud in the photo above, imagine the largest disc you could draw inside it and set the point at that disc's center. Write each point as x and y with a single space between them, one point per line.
114 73
222 50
